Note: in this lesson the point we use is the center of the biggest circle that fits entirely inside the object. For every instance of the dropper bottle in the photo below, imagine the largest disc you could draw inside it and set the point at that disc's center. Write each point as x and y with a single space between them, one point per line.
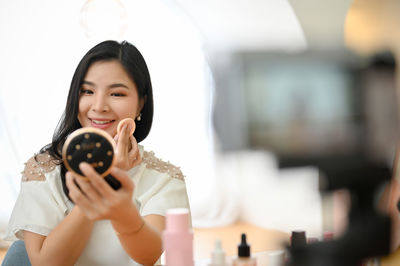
244 258
218 255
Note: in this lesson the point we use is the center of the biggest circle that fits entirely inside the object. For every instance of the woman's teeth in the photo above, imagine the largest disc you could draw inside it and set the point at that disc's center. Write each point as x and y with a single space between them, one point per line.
102 122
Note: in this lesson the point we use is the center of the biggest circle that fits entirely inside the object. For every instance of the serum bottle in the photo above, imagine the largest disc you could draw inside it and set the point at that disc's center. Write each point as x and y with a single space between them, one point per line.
178 238
218 255
244 258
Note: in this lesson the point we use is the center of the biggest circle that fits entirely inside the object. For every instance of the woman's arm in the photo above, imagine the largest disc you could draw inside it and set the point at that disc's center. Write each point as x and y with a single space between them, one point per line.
63 245
141 240
140 237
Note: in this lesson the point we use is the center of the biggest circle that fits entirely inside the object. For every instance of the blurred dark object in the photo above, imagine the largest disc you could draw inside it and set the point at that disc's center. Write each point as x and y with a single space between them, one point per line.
368 233
298 238
332 110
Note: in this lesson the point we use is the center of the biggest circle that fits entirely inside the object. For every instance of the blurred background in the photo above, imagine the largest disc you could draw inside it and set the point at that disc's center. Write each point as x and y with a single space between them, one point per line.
215 115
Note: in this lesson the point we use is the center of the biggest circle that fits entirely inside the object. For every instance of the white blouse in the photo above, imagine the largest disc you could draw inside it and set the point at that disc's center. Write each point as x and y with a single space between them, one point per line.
42 204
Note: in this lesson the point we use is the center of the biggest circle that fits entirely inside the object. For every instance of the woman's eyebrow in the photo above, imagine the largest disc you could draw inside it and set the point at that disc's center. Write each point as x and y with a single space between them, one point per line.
117 85
88 83
112 86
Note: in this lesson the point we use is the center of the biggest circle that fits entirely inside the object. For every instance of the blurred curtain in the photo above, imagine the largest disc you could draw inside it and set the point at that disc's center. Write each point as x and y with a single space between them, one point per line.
42 44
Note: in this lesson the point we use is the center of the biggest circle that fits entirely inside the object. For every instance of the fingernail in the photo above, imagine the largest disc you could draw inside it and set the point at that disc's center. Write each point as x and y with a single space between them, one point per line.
83 165
70 176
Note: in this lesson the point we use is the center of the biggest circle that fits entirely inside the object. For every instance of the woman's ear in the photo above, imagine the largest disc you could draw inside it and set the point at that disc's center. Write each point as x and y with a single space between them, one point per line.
142 102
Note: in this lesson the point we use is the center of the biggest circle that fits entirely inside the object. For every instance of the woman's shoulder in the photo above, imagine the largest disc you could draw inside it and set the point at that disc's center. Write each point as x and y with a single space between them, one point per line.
154 163
37 166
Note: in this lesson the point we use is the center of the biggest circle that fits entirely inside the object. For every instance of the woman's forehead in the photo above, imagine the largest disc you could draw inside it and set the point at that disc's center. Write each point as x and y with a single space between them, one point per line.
108 72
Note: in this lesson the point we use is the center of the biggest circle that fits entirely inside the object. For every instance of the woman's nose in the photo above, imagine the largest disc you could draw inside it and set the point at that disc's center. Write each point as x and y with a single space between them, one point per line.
100 104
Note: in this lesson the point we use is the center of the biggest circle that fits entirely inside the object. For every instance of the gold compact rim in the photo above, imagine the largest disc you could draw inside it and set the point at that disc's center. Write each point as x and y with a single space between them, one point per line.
81 131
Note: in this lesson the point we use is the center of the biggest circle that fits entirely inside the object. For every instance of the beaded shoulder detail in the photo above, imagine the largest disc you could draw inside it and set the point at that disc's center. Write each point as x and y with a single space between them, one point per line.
37 166
152 162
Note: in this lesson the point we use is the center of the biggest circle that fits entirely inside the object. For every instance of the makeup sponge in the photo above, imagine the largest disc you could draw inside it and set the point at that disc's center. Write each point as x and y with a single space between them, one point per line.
127 121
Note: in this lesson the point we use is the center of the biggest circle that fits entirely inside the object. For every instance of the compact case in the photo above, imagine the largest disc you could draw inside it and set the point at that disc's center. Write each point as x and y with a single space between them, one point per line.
93 146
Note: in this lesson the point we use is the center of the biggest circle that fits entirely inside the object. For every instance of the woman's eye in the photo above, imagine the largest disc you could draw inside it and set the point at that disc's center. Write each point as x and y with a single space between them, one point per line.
117 94
86 91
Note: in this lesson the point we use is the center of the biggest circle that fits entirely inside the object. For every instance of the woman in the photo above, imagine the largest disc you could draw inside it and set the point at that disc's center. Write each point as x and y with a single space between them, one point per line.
67 221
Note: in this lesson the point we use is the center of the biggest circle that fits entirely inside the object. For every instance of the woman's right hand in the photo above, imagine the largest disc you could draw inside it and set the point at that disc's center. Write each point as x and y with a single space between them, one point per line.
96 198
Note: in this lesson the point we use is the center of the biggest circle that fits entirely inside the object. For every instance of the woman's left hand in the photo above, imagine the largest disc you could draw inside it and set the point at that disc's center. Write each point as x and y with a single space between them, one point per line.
96 198
127 152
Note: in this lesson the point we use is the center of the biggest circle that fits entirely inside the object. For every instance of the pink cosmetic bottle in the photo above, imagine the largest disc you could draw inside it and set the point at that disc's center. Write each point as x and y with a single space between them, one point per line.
178 238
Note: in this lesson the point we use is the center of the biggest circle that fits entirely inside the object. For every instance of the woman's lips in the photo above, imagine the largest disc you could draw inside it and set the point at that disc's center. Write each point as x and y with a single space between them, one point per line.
101 123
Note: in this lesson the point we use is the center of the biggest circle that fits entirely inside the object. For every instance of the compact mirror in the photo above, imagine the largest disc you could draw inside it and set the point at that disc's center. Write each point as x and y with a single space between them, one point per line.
93 146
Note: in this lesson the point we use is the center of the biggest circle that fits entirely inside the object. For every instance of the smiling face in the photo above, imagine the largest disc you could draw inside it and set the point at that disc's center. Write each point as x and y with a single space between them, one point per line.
107 96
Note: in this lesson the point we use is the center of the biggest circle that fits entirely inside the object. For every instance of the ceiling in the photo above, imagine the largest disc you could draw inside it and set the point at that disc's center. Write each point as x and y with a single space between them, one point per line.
268 24
323 22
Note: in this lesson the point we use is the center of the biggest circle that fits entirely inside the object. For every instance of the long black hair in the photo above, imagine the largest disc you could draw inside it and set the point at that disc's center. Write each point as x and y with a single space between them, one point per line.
134 64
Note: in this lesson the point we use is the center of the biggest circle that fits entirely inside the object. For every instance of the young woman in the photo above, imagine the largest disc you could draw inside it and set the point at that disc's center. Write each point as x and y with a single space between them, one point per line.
65 220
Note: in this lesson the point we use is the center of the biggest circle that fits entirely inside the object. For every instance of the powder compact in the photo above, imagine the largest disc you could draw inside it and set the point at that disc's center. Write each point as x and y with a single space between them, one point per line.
93 146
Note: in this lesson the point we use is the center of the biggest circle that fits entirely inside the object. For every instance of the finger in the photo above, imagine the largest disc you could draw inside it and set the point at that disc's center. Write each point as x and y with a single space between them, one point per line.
123 178
90 191
71 181
97 181
123 142
116 138
76 195
134 154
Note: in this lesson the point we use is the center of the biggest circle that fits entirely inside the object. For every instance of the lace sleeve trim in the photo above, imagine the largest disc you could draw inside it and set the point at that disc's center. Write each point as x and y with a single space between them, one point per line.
37 166
157 164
